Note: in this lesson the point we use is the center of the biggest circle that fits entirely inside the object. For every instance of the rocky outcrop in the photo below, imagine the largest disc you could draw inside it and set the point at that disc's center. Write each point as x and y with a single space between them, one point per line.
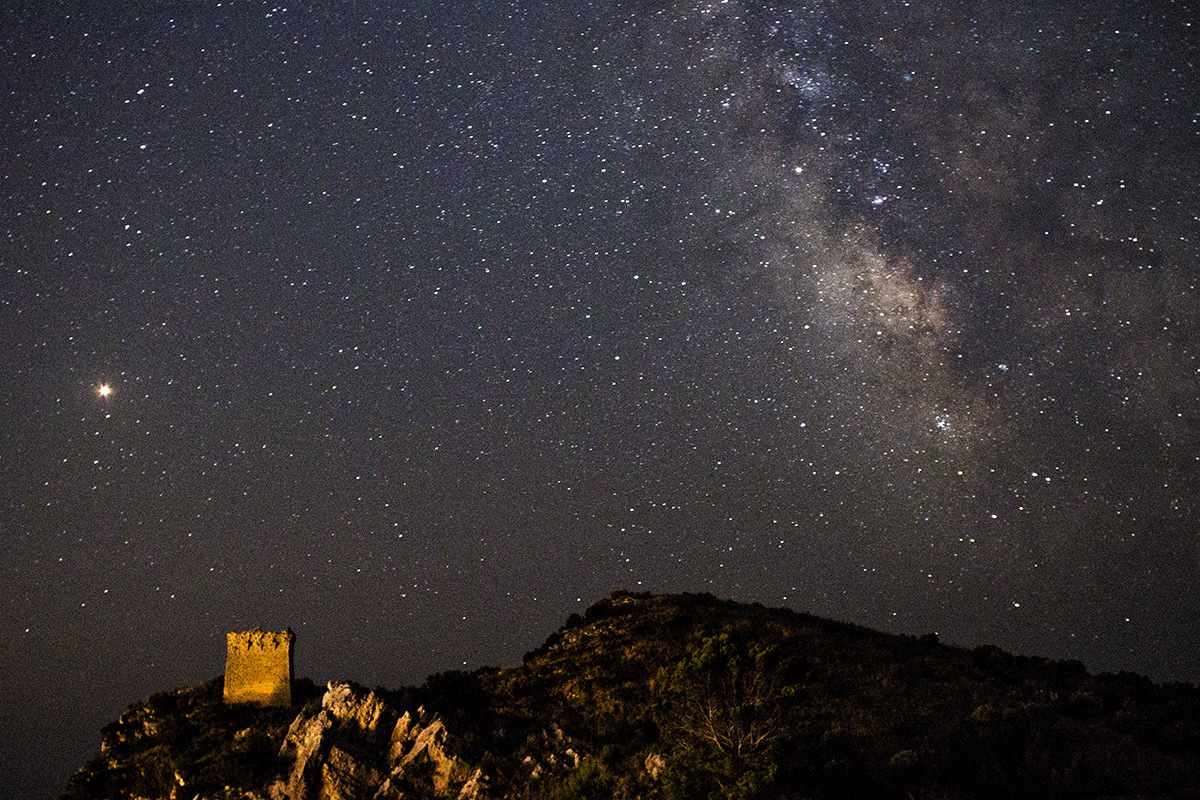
357 747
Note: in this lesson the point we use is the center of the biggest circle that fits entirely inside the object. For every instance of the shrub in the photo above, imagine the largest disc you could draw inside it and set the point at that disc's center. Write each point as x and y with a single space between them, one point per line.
588 781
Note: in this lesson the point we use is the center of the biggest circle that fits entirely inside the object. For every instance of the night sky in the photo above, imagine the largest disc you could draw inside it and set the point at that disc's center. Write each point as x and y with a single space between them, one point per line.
424 326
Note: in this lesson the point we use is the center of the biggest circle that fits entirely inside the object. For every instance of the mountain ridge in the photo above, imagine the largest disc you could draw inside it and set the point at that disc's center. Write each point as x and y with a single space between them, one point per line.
679 696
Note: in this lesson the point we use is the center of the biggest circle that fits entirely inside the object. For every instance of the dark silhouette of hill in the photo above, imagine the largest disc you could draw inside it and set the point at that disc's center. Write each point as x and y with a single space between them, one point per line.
681 696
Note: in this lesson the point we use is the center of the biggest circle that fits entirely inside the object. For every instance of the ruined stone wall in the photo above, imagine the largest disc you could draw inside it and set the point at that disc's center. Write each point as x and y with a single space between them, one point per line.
258 668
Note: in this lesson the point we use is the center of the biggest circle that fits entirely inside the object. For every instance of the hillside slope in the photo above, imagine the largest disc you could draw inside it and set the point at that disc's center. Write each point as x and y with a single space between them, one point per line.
680 697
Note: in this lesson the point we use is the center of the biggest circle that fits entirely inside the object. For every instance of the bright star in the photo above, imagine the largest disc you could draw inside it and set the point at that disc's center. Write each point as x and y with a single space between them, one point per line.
104 390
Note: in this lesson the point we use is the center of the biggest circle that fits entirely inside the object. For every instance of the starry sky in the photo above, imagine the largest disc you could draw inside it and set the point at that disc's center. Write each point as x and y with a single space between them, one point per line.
417 327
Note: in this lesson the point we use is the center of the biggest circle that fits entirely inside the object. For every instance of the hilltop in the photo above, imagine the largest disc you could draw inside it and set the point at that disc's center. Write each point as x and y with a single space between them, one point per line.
679 696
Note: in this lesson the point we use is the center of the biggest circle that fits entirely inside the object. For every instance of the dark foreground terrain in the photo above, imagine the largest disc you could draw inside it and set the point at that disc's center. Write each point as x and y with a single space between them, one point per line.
679 697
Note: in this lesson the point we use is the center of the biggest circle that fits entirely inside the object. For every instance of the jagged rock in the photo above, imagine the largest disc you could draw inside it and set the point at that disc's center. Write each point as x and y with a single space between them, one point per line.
343 752
475 788
303 743
418 745
345 777
399 742
554 755
369 714
655 764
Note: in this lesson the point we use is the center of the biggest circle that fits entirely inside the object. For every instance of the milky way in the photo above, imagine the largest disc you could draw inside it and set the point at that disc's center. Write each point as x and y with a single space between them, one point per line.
422 329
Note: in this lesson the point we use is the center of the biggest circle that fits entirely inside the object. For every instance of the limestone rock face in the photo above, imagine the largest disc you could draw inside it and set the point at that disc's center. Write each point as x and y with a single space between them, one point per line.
417 746
368 715
346 776
357 747
304 743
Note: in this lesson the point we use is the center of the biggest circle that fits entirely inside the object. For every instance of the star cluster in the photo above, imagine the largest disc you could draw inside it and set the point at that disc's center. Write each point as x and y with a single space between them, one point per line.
418 329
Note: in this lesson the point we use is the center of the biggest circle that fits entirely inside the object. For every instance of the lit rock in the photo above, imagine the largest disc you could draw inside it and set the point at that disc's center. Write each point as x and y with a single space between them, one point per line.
344 751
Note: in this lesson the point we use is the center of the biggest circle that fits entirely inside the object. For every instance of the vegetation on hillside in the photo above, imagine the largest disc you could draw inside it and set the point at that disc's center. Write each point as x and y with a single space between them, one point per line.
743 701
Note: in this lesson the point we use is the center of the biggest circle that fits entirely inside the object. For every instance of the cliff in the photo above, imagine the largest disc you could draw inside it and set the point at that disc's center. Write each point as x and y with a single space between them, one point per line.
679 697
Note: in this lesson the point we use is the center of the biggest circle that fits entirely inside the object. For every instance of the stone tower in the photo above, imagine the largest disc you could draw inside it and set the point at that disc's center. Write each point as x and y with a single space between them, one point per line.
258 668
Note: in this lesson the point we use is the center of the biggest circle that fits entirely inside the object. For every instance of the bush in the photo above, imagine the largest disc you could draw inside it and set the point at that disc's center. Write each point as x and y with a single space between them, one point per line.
588 781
